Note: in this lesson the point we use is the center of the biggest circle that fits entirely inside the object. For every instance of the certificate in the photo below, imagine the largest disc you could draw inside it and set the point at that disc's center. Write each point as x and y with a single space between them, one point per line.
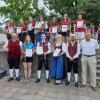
39 50
79 24
30 27
29 53
19 30
54 29
56 52
11 29
64 28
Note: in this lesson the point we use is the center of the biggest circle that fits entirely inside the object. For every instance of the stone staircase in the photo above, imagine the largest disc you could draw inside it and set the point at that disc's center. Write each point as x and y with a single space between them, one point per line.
98 68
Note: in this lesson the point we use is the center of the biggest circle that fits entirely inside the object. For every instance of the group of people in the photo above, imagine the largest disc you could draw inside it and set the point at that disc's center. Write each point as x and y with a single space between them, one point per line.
54 40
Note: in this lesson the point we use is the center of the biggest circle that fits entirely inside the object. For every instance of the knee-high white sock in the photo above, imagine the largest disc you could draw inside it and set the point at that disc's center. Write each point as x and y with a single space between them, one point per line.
17 72
47 74
69 75
76 77
39 74
11 72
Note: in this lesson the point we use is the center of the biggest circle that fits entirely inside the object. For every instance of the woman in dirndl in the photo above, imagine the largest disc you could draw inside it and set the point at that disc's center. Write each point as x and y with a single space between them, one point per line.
56 69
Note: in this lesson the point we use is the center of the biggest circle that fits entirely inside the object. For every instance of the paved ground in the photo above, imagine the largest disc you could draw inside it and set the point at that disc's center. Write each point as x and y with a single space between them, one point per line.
42 91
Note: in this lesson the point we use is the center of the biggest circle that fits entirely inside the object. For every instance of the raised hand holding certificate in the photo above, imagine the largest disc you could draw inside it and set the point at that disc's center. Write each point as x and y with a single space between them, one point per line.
29 53
11 29
79 24
64 28
54 29
19 30
39 50
56 52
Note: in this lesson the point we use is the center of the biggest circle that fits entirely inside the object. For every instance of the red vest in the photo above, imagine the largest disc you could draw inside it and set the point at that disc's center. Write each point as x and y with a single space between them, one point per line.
59 47
72 49
45 48
14 49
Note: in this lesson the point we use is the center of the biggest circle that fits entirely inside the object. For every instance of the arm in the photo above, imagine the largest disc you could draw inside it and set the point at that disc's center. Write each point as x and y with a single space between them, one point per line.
96 47
78 52
5 47
67 53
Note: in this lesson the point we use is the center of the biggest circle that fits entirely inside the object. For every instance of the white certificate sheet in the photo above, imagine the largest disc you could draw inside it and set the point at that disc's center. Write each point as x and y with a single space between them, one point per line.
79 24
64 28
54 29
11 29
56 52
39 50
30 27
29 53
19 30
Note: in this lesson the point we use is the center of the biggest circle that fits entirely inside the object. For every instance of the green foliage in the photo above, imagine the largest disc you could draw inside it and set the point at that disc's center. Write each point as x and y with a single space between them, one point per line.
17 9
90 8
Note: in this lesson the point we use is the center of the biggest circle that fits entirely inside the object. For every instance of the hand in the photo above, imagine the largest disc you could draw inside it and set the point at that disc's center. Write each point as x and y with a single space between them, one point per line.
24 52
6 49
71 58
45 53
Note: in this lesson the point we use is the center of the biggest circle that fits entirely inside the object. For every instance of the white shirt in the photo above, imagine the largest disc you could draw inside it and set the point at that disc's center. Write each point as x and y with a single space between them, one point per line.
89 47
49 47
63 48
39 24
6 45
76 55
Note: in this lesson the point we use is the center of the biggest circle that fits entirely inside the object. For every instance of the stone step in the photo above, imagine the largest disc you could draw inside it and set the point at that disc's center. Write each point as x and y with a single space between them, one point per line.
98 71
98 78
97 68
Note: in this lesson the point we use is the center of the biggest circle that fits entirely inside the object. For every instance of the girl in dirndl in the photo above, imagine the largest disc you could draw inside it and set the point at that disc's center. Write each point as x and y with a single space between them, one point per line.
56 69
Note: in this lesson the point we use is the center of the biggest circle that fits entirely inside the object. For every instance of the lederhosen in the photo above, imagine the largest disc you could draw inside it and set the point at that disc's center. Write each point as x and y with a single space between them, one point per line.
43 59
72 50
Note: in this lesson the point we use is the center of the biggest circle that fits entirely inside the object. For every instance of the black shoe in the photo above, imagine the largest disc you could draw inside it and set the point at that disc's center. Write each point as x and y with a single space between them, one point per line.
17 79
67 83
38 80
76 84
10 79
57 83
48 80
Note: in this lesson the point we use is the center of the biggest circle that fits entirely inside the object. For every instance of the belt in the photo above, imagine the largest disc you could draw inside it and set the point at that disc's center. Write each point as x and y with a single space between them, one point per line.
88 55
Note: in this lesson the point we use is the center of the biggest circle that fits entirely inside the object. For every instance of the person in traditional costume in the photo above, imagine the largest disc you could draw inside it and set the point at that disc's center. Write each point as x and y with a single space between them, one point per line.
72 54
13 49
56 69
43 50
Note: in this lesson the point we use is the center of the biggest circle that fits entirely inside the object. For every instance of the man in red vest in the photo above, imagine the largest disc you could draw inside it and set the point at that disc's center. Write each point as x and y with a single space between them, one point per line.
13 49
43 50
72 53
